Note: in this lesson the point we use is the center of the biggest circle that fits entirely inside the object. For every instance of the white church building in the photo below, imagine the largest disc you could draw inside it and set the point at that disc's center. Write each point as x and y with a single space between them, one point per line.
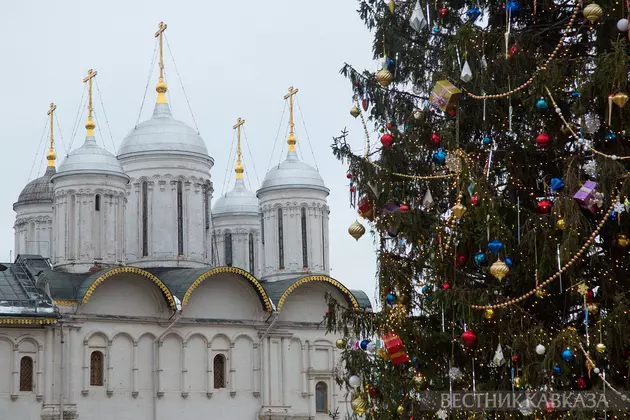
134 297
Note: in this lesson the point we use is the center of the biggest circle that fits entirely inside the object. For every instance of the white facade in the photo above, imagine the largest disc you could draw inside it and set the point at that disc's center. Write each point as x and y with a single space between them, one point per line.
33 229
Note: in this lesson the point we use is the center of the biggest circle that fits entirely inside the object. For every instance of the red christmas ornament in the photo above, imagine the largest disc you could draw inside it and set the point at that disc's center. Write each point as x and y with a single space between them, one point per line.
451 111
365 103
515 359
513 50
474 200
544 206
581 383
543 140
443 12
469 338
589 296
436 139
386 140
404 208
461 260
364 205
388 126
446 286
353 188
348 175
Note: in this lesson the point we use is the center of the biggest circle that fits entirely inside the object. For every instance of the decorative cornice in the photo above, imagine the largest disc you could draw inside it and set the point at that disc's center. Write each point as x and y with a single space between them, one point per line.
309 279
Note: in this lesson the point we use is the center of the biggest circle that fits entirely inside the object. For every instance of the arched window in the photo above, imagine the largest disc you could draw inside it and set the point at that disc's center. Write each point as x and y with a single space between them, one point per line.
304 243
145 219
96 368
71 223
321 397
323 239
97 202
206 206
26 374
280 241
251 253
227 238
180 219
219 371
262 228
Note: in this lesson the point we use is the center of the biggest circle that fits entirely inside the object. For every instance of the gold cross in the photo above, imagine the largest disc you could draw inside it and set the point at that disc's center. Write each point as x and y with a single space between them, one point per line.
89 125
239 166
291 140
161 28
51 155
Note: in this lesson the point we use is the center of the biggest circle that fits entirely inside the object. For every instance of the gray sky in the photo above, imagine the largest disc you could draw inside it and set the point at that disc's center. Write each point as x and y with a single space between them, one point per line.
236 59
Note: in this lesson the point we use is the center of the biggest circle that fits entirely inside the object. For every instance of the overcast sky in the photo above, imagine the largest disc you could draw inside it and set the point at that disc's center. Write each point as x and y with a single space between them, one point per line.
235 59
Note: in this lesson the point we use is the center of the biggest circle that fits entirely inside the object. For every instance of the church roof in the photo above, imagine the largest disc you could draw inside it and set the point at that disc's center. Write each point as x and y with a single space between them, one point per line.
238 201
38 190
90 158
162 133
293 173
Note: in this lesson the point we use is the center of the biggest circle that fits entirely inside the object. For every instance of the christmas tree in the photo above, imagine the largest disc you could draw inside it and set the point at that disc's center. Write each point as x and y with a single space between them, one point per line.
494 178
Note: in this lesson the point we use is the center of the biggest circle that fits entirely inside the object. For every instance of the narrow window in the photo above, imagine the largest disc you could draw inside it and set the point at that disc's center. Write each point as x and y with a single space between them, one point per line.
180 220
323 240
26 374
212 239
206 207
71 223
228 248
262 228
96 368
304 243
219 371
321 397
280 241
97 202
251 253
145 219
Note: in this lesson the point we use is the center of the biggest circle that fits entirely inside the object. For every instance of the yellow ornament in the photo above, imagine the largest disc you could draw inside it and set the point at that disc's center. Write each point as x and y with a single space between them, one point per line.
400 410
383 354
593 12
541 293
488 314
356 230
355 111
384 77
418 115
499 270
592 308
358 404
620 99
582 289
561 224
341 344
622 240
517 382
600 347
420 381
458 210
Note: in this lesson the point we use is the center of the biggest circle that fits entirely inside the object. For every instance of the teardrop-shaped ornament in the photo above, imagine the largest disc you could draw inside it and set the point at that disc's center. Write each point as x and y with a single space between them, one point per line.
466 74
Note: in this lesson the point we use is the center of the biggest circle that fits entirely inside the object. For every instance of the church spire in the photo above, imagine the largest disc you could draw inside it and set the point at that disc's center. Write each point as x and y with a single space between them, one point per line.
161 87
51 155
239 165
89 124
291 139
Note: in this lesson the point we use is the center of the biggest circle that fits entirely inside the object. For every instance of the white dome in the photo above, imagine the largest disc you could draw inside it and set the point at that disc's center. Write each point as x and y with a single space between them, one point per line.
162 133
238 201
90 158
293 173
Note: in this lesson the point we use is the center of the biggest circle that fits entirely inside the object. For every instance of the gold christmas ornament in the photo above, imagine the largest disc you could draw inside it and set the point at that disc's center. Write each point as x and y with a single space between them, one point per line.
488 314
356 230
355 111
383 353
600 348
341 344
620 99
561 224
541 293
517 382
622 240
499 270
420 382
384 77
418 115
593 12
458 210
400 410
358 404
592 308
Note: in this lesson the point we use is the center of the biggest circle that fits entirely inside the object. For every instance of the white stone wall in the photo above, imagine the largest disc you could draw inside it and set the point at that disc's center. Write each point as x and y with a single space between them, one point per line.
33 229
291 201
83 235
240 226
162 172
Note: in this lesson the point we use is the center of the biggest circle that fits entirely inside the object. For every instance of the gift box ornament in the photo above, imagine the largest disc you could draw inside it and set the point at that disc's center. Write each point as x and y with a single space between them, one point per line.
587 197
445 95
395 349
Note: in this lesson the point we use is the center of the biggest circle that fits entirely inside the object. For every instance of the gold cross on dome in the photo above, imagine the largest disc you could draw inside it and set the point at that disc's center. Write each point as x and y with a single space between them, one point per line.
51 155
161 28
239 165
88 79
291 140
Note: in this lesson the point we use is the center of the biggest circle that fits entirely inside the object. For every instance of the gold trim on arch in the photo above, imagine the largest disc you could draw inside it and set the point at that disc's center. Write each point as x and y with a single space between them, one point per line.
235 270
28 321
133 270
65 302
310 279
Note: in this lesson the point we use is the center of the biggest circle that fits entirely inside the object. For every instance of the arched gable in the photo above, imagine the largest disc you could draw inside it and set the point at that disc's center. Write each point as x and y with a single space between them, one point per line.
90 284
260 291
323 279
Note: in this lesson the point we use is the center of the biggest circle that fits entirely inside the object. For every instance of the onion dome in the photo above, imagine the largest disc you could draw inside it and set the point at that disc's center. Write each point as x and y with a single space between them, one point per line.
238 201
38 190
90 158
293 173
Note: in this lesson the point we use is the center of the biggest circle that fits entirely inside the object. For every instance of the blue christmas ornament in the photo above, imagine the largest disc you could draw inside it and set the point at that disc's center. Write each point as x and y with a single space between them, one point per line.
439 156
575 94
567 355
512 7
425 289
487 141
414 360
364 344
556 369
508 262
610 136
390 298
436 30
495 246
613 215
473 13
541 104
481 259
557 184
389 63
